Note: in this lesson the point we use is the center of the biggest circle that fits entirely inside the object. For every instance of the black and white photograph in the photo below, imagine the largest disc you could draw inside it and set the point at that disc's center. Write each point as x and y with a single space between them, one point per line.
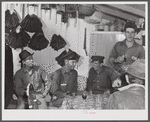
74 60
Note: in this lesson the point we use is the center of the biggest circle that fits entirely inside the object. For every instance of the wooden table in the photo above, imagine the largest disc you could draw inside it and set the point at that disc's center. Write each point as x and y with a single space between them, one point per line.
91 102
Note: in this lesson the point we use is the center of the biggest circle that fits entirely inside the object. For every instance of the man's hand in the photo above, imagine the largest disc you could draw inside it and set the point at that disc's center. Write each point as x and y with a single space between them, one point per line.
73 94
116 83
119 59
54 97
42 95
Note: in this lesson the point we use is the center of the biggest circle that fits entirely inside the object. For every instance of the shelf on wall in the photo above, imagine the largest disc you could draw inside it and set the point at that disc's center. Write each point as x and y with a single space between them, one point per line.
106 32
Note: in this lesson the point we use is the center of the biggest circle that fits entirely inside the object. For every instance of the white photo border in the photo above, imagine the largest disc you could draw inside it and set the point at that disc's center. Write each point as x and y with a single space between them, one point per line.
75 114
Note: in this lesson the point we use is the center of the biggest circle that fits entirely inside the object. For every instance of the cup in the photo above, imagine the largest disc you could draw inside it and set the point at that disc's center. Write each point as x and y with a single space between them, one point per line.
84 95
63 87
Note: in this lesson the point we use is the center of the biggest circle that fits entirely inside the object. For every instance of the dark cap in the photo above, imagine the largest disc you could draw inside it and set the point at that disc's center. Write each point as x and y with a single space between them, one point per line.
130 25
98 58
70 55
24 54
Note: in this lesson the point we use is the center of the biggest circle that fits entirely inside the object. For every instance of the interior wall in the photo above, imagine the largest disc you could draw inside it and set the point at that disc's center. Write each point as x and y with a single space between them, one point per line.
73 33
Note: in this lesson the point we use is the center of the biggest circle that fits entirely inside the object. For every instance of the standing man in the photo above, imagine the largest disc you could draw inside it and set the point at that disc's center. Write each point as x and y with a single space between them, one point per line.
31 74
132 95
65 77
100 77
127 51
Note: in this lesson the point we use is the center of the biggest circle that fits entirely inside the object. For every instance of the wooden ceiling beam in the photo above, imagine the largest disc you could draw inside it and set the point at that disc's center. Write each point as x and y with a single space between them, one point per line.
116 13
129 9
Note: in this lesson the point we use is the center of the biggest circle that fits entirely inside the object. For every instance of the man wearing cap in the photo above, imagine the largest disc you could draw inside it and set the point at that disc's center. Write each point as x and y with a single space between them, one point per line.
65 77
100 77
31 74
125 52
131 95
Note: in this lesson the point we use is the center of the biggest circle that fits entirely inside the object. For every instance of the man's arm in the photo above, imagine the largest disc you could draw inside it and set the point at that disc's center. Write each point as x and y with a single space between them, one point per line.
142 53
113 56
113 75
75 77
47 81
18 85
89 81
55 88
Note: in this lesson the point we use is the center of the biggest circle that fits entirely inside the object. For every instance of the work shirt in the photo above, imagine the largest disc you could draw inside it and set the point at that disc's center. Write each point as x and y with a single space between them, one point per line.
132 53
100 82
38 77
61 77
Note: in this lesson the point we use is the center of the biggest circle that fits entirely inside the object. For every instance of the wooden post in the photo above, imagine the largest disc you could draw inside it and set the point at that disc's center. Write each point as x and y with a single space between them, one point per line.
23 13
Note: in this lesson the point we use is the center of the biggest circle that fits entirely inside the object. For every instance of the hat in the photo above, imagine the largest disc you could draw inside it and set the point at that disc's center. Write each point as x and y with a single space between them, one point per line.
24 54
70 55
130 25
137 69
98 58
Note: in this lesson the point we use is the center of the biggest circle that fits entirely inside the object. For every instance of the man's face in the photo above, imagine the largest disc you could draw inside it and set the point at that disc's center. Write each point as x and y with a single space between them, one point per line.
96 65
71 63
28 61
130 34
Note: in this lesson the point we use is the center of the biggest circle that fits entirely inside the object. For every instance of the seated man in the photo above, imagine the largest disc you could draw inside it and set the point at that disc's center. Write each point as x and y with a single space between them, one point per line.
100 77
132 94
65 77
31 74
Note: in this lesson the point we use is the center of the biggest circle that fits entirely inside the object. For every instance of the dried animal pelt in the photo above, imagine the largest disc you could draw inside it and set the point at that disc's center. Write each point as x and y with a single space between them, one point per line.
57 42
31 23
18 40
38 41
11 19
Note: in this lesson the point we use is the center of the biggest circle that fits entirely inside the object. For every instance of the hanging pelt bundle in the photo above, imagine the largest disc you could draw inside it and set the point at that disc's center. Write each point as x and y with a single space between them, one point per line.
57 42
65 17
11 19
86 9
52 5
31 23
45 6
7 30
38 41
34 5
72 7
18 39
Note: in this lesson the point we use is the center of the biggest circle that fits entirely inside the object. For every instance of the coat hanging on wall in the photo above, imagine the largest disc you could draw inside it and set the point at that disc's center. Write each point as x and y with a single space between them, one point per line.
11 19
17 40
31 23
57 42
38 41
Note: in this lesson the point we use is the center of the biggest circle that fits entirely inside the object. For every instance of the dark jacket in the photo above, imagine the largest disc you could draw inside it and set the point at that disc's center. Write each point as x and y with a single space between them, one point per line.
60 77
41 80
101 82
131 98
8 75
69 78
